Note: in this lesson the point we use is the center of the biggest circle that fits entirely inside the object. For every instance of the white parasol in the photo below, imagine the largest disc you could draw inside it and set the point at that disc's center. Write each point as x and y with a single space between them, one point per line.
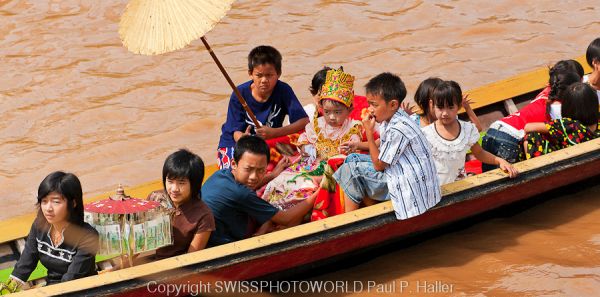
153 27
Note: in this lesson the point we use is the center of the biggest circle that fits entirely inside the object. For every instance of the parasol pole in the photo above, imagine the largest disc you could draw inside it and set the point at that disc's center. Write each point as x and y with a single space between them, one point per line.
235 89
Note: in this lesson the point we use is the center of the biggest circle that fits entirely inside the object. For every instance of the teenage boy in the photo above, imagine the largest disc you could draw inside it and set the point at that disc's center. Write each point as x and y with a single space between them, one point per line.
231 195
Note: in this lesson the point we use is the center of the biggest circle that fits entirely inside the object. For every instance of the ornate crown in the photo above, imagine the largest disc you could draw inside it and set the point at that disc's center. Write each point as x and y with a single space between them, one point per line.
338 87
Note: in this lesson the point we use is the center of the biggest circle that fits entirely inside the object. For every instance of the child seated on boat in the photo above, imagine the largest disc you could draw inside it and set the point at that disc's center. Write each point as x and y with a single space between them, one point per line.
191 219
59 238
579 123
504 137
231 195
269 98
426 115
320 141
592 56
451 138
316 83
398 167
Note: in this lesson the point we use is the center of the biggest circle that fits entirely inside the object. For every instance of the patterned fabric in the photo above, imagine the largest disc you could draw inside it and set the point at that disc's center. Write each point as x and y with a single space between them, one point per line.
224 157
449 155
280 146
411 175
562 133
416 117
327 139
330 199
301 179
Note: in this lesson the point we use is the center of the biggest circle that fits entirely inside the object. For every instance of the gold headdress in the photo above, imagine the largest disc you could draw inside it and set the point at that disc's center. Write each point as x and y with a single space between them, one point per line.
338 87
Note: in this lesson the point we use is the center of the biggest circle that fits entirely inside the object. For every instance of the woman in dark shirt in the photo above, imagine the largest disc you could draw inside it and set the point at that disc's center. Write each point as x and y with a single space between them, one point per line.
59 238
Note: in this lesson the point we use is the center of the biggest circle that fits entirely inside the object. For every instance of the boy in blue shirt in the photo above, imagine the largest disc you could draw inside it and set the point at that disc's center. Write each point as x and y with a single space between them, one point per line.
231 195
269 98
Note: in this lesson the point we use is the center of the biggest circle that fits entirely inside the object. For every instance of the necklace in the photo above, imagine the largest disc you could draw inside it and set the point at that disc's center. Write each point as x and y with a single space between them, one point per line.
56 236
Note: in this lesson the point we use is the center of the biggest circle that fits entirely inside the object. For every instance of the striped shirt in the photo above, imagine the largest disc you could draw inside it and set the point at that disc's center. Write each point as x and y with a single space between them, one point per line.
411 175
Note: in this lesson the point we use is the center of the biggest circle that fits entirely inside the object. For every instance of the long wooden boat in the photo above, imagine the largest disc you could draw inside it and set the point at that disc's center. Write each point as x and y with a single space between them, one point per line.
269 255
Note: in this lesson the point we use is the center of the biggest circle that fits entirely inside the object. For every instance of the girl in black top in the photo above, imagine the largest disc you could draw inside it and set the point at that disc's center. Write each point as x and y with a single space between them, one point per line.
59 238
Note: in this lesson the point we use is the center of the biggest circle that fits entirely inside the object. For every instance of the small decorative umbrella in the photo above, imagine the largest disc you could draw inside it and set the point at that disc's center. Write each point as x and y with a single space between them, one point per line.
153 27
129 225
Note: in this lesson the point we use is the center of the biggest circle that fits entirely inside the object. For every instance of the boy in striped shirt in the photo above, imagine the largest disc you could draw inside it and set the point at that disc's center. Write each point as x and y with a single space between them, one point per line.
399 166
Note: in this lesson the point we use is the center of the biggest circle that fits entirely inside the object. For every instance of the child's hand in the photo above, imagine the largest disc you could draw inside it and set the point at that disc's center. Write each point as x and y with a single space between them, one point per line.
284 163
349 147
466 102
247 132
265 132
407 108
508 168
369 124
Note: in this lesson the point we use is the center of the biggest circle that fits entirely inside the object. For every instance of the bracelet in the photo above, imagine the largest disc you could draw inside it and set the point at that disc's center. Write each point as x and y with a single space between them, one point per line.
11 286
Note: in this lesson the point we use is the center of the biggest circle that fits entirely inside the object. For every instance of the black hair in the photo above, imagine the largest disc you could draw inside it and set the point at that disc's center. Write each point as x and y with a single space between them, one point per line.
447 93
581 104
387 85
574 66
423 93
69 187
318 80
185 164
593 52
559 81
264 54
566 66
251 144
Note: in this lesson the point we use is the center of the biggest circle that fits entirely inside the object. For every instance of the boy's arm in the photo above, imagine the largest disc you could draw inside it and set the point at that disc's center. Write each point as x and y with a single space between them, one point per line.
284 163
369 125
294 215
356 146
536 127
236 119
238 134
268 132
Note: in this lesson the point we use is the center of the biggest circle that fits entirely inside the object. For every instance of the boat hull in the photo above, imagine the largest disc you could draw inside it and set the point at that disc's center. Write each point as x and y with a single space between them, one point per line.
360 234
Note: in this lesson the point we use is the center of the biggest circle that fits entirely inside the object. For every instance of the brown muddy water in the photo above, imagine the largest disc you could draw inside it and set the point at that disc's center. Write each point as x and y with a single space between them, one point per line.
546 248
72 98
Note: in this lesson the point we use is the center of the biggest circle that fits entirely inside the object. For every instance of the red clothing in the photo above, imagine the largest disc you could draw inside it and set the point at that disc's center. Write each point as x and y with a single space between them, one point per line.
534 112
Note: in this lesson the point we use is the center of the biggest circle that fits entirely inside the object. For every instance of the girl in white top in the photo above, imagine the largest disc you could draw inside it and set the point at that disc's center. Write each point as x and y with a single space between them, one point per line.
451 138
